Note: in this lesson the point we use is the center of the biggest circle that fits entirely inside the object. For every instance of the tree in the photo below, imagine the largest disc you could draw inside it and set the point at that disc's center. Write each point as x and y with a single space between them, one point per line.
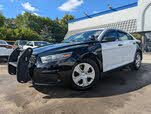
10 23
66 18
32 27
137 36
19 34
2 20
28 34
41 25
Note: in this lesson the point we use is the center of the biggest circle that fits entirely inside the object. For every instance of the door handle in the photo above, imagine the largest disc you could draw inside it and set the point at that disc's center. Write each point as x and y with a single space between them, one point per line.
134 43
120 44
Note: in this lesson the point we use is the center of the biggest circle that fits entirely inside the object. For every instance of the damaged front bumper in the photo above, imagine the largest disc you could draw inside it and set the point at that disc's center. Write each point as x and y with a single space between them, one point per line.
18 64
27 66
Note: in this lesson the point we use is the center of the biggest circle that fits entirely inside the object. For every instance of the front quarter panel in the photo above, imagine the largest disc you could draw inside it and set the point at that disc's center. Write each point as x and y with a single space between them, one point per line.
63 67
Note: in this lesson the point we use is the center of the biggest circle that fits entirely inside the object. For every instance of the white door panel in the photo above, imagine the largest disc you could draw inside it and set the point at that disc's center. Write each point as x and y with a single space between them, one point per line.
128 51
124 52
111 55
128 48
118 52
132 50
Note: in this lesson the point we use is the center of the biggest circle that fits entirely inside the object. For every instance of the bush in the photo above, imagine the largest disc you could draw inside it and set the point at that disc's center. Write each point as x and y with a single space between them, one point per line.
18 34
28 26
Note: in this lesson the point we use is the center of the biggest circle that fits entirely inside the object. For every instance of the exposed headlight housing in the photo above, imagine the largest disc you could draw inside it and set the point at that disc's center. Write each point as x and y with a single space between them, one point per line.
55 57
32 59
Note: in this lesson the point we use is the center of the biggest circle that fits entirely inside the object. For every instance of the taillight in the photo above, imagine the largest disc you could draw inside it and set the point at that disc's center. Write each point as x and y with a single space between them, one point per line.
7 46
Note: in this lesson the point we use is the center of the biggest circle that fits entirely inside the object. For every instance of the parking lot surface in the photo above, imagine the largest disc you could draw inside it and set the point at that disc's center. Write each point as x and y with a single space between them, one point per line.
119 92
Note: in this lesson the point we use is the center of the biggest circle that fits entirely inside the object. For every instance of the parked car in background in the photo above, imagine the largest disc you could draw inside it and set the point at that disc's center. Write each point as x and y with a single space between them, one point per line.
11 42
5 49
79 60
34 44
20 43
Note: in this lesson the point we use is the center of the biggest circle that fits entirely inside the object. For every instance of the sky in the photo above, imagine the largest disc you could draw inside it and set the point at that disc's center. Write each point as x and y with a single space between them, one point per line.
57 8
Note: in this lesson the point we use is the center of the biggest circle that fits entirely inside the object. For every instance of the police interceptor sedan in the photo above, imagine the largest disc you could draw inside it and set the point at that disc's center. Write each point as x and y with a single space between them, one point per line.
79 60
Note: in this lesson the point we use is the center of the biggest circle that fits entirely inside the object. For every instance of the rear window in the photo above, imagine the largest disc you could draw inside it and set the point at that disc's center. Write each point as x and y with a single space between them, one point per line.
3 42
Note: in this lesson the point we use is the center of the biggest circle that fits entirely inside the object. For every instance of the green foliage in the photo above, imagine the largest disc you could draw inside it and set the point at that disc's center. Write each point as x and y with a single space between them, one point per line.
28 34
2 20
31 27
15 34
66 18
137 36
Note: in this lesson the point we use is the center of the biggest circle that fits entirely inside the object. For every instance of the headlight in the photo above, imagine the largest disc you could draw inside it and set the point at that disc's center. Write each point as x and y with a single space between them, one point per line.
56 57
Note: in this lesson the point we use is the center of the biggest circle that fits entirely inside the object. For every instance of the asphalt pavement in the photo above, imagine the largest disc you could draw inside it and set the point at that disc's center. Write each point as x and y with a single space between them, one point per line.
119 92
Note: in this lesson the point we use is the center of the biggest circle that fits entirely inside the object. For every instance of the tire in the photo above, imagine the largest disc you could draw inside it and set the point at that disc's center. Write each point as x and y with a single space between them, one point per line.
137 62
85 75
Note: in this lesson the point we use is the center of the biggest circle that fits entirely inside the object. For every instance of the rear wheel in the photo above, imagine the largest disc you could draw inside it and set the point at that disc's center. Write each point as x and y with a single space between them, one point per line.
85 75
137 62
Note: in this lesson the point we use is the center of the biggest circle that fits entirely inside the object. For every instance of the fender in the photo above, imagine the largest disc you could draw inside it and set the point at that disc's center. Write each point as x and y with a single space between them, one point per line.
94 52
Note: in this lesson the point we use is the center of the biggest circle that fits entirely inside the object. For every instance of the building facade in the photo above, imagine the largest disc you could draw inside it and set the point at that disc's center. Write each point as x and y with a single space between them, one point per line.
133 18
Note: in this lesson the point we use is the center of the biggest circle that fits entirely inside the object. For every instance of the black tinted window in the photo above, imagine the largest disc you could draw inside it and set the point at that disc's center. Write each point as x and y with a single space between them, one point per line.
110 36
83 36
124 36
130 37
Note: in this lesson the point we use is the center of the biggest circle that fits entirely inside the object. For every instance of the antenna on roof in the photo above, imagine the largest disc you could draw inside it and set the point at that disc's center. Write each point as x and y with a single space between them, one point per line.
111 8
85 13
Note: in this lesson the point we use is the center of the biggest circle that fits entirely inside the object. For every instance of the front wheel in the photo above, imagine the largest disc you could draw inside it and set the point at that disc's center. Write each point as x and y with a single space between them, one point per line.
85 74
137 62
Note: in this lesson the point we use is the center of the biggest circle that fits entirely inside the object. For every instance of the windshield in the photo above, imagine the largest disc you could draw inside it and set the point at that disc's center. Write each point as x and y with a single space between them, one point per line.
39 44
3 42
83 36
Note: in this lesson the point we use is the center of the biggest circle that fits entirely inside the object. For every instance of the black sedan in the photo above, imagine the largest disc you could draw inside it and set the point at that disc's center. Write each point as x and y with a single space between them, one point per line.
79 60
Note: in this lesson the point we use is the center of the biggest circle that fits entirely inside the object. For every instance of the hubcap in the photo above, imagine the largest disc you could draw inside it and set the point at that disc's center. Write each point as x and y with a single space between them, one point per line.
83 74
138 61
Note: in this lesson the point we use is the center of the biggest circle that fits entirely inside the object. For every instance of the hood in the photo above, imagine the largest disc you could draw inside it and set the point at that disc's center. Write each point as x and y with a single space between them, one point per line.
54 47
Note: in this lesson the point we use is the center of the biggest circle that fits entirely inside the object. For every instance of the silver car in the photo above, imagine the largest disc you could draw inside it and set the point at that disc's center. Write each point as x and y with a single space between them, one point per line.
5 49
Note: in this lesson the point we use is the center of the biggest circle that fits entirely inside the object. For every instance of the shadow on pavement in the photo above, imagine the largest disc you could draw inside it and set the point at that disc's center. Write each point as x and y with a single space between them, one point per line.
3 61
113 83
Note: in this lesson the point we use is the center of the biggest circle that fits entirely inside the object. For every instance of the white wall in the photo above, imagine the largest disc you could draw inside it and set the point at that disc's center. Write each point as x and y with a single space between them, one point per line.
142 13
118 16
144 17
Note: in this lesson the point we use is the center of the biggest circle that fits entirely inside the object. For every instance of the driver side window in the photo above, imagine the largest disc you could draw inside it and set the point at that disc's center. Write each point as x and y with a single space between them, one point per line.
110 36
